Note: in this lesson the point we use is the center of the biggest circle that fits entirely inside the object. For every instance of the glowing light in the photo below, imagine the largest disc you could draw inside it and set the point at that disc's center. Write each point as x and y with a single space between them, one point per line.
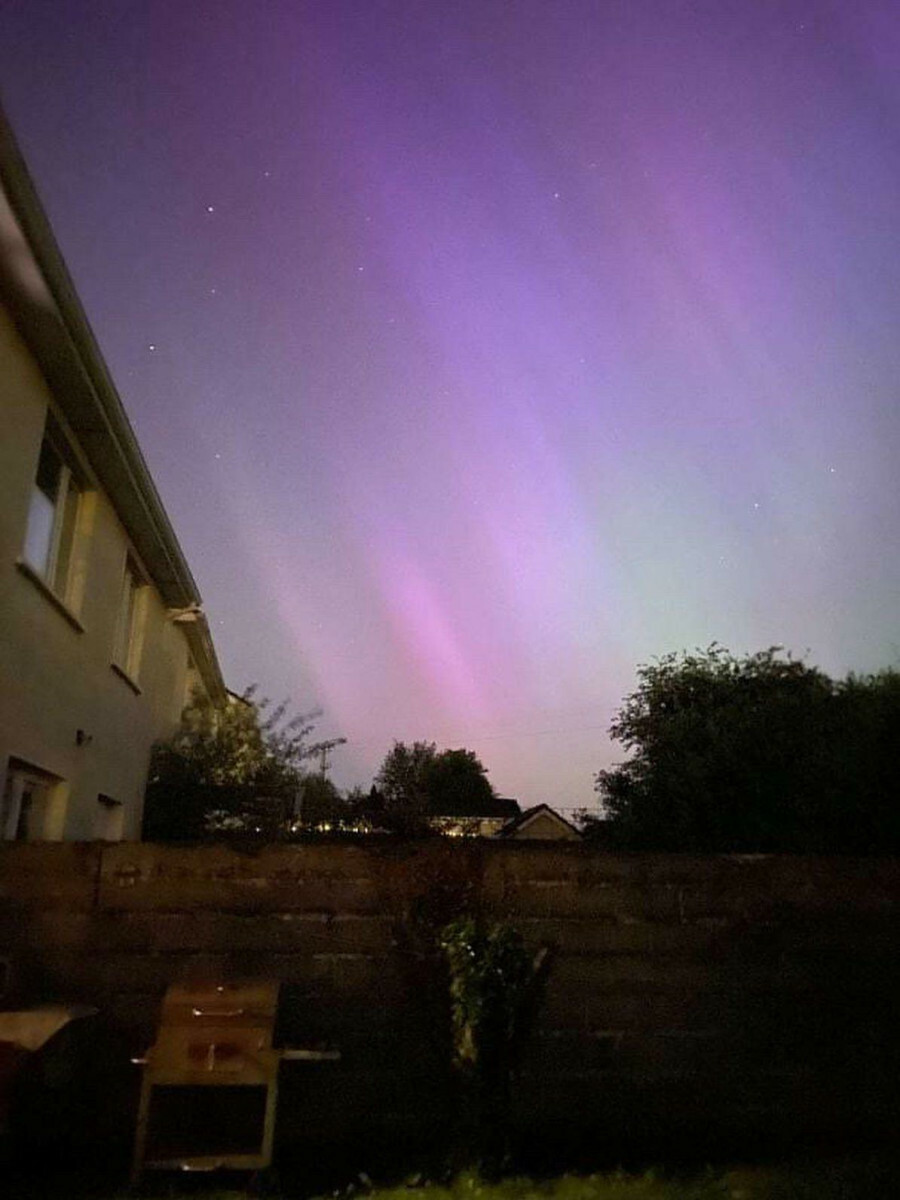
455 530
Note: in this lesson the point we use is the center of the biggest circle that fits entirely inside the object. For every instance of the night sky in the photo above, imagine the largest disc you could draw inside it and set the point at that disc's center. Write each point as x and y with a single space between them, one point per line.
482 349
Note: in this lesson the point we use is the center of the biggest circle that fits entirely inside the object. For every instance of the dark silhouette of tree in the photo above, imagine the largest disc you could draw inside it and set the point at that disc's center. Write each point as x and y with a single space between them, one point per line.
401 788
226 770
759 753
416 782
320 805
457 785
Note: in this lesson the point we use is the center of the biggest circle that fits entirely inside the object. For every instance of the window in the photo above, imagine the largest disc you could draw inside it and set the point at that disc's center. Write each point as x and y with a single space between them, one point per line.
130 627
53 514
33 805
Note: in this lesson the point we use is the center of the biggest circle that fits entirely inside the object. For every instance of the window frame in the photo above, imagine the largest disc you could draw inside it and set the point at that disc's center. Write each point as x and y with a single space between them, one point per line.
32 803
131 620
57 568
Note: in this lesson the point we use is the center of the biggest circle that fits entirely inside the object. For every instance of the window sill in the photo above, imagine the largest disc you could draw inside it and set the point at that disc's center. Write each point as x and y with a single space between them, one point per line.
125 677
48 593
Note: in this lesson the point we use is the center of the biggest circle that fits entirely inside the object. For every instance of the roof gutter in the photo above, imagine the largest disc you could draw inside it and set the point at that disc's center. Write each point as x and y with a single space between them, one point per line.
38 288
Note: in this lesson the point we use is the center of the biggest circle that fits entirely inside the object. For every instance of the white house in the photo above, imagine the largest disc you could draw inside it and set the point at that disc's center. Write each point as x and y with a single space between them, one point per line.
102 637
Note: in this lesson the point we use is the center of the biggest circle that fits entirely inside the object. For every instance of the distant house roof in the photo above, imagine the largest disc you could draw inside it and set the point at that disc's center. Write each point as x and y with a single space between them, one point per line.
497 806
530 822
38 290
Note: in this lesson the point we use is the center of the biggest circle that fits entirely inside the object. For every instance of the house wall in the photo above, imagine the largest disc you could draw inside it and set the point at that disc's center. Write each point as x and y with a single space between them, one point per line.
742 995
545 827
55 674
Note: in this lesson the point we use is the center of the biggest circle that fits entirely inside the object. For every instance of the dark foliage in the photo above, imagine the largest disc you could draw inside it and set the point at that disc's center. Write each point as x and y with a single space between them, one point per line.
238 770
456 784
400 790
416 782
754 754
490 974
494 985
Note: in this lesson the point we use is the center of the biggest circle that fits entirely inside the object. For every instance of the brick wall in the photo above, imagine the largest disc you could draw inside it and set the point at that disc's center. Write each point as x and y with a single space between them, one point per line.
745 993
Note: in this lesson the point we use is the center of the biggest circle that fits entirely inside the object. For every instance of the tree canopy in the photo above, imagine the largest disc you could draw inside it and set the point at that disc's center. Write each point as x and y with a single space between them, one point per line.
417 781
759 753
236 769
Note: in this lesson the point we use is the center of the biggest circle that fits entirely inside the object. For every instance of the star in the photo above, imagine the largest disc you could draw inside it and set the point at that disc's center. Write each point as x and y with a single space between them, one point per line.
151 346
212 291
210 208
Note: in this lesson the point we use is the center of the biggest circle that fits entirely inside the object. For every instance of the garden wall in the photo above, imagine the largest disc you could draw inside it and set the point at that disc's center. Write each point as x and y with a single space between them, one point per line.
714 993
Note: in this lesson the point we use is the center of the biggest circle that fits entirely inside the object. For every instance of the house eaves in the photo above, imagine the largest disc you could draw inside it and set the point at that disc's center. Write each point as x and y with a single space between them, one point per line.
203 652
53 324
36 286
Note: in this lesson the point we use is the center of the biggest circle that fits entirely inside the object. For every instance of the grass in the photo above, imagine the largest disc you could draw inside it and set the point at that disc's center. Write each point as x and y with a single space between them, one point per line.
872 1179
848 1181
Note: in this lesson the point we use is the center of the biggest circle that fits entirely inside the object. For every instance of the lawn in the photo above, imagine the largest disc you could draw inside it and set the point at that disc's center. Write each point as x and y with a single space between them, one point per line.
845 1181
872 1179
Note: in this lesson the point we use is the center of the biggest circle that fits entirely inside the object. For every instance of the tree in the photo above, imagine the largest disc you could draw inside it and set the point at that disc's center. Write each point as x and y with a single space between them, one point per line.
759 753
231 769
401 785
319 803
457 785
416 782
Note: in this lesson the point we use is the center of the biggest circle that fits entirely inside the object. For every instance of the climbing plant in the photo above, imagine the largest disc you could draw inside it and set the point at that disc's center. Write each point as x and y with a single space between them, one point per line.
493 981
491 976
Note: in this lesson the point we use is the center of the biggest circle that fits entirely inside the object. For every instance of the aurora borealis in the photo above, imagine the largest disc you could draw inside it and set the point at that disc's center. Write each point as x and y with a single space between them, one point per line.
481 349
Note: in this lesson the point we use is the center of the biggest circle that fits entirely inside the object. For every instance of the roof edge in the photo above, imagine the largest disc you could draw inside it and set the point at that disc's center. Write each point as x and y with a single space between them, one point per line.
203 652
128 480
530 814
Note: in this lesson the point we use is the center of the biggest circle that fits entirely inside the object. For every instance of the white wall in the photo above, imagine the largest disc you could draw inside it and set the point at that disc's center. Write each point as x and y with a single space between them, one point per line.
55 678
